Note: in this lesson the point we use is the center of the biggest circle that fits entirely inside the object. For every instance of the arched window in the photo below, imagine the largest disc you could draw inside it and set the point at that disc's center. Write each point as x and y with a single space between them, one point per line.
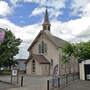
49 28
45 47
39 48
51 62
44 28
42 47
33 66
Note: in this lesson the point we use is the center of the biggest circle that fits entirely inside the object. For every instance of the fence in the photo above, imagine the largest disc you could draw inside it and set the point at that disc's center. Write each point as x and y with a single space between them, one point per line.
62 81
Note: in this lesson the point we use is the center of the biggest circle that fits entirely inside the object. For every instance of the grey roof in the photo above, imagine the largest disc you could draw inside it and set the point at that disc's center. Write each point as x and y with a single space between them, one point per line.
40 58
55 40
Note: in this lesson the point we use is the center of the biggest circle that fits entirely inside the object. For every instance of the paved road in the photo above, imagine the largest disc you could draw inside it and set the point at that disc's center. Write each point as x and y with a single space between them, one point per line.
78 85
5 86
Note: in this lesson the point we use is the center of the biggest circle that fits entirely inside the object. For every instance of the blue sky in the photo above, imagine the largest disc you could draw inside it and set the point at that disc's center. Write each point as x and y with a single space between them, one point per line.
70 19
21 13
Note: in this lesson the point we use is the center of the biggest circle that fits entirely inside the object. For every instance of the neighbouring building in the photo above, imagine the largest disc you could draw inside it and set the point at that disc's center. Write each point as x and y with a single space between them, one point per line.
21 64
45 52
84 67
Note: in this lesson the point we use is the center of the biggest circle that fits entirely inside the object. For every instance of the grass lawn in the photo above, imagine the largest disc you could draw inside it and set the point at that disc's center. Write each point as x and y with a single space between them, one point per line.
5 72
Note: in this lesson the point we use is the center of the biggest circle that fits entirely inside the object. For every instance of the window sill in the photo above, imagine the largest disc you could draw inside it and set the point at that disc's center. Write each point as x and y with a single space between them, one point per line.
43 54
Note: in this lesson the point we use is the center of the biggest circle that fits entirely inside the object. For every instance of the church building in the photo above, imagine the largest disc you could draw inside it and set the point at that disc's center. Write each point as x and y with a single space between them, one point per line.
45 51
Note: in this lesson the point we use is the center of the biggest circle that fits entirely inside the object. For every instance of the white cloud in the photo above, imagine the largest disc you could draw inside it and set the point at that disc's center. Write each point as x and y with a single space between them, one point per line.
4 8
54 7
74 30
37 11
53 13
15 3
82 6
86 11
26 33
57 4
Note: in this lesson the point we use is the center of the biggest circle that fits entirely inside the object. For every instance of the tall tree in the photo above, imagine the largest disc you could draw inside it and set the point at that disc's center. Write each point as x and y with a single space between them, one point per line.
68 51
82 50
9 48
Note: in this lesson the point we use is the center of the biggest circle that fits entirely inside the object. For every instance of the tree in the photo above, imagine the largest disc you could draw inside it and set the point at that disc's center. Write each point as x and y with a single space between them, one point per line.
82 50
65 61
68 51
8 49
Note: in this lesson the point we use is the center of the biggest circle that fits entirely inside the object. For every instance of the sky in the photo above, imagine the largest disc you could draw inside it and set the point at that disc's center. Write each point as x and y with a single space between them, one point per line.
70 20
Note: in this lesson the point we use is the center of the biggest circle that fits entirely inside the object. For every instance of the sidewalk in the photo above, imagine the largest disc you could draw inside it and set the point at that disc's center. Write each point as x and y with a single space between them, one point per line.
39 83
30 82
77 85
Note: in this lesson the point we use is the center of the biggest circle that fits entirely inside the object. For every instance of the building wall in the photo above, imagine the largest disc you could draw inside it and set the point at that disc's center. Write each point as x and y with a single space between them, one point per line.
52 51
69 67
45 69
29 68
56 54
21 65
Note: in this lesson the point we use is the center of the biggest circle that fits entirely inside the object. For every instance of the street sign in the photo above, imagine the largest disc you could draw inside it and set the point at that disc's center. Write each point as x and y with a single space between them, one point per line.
55 76
2 35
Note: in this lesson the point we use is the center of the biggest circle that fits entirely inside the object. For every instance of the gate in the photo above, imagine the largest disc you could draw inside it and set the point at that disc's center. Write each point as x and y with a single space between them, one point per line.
87 71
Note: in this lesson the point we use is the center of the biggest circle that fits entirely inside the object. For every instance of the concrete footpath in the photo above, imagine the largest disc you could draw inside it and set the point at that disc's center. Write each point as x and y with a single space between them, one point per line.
77 85
6 86
30 82
39 83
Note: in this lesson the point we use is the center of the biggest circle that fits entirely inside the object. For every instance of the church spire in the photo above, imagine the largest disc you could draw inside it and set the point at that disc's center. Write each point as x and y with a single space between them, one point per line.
46 24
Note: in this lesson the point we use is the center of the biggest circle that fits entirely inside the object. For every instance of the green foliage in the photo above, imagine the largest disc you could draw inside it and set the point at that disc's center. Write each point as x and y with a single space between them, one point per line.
68 49
81 50
5 72
9 48
65 59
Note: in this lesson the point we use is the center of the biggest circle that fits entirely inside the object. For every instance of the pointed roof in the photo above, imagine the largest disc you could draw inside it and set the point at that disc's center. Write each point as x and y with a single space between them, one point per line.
55 40
40 58
46 19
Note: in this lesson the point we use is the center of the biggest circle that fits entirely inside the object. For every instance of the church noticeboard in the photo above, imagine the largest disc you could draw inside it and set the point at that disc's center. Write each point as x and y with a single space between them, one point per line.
14 72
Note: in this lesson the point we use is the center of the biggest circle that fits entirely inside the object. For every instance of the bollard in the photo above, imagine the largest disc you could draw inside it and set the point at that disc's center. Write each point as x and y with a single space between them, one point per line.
21 81
73 77
58 81
47 84
11 79
66 79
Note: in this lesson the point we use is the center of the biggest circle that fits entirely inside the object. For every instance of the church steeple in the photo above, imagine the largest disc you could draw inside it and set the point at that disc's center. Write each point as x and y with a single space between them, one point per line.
46 24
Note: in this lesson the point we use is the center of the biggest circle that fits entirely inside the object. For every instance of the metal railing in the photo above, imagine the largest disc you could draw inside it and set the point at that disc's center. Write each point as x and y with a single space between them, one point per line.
62 81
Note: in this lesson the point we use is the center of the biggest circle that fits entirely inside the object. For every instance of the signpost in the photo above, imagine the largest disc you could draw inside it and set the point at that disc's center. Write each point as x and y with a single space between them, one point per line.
55 76
14 74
